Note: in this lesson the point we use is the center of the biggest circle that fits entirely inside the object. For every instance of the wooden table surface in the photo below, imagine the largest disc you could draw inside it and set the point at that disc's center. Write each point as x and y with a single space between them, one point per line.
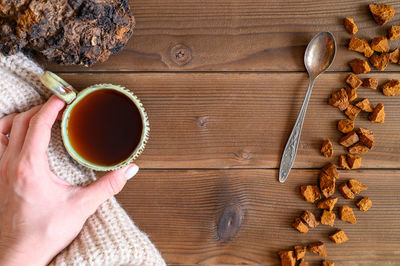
222 82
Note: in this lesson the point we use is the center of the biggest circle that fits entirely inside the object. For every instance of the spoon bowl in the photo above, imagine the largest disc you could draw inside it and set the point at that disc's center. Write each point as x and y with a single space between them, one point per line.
320 53
318 57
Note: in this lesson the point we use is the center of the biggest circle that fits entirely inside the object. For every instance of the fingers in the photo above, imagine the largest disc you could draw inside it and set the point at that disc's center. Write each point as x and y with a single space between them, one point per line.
107 186
19 128
39 131
6 123
3 144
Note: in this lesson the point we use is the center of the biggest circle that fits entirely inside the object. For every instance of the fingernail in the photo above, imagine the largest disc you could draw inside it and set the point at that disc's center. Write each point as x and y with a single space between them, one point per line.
131 172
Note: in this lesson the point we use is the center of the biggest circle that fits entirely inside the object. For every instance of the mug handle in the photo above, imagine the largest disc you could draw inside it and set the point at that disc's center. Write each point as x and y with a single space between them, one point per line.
58 86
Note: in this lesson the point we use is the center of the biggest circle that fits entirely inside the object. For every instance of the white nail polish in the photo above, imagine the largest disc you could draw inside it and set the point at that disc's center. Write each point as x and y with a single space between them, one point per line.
131 172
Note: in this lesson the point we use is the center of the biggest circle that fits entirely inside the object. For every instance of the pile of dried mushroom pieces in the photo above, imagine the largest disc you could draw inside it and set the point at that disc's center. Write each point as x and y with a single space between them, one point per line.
356 141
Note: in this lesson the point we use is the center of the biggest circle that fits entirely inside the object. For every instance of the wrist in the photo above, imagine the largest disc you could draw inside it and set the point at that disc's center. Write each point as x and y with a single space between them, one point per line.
19 255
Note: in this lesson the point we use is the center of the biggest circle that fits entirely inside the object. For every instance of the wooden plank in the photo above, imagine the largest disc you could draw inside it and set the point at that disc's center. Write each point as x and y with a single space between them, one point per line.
181 211
232 35
243 120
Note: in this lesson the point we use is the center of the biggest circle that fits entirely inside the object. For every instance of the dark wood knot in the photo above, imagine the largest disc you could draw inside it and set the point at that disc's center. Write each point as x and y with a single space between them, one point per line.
181 54
243 155
202 121
230 221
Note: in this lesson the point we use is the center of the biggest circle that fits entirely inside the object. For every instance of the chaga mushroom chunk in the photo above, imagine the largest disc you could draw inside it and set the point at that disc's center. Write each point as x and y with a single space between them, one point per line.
67 32
327 148
339 237
378 115
327 204
287 258
350 26
318 248
394 32
382 13
391 88
310 219
380 44
353 81
359 66
310 193
366 137
364 204
380 62
339 99
370 83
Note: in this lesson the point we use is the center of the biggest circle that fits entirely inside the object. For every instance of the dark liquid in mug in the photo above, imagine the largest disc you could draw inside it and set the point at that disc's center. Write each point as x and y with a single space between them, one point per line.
105 127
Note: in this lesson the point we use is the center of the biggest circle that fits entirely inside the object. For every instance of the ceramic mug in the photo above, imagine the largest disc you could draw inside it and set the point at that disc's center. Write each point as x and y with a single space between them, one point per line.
65 91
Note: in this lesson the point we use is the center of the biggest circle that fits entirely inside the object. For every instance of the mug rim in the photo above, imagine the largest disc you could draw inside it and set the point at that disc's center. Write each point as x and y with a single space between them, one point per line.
143 138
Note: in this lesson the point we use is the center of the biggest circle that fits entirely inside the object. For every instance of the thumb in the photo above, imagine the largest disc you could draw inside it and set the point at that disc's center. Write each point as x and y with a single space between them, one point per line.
107 186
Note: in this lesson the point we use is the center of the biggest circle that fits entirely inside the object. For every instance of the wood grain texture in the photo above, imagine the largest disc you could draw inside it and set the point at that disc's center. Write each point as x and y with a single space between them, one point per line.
236 35
243 120
181 211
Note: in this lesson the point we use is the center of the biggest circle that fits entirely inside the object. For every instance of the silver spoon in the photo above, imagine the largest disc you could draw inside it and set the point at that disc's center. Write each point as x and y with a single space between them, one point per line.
318 57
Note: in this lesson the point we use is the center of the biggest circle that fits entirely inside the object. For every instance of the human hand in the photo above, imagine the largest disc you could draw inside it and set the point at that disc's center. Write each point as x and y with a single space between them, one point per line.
40 214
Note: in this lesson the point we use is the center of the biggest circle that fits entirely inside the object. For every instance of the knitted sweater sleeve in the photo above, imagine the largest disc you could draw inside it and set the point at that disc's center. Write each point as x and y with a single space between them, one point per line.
109 237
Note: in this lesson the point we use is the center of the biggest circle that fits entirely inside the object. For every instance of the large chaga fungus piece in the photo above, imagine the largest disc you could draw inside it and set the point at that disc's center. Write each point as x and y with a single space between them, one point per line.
66 31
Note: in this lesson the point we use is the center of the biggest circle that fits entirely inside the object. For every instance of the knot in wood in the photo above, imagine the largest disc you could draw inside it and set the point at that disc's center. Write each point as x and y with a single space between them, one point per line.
243 155
230 221
202 121
181 54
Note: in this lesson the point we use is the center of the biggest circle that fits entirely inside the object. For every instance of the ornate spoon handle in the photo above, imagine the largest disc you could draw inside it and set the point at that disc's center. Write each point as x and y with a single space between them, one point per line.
289 154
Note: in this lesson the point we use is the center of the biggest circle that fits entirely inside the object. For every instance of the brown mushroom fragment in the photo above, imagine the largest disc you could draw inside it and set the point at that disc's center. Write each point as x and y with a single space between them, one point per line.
394 56
361 46
300 252
351 94
327 148
327 263
380 62
354 161
349 139
391 88
328 218
327 204
365 105
331 170
378 115
370 83
366 137
287 258
327 184
346 214
358 148
339 99
380 44
310 193
300 226
352 111
318 248
353 81
356 186
78 32
339 237
360 66
343 162
350 26
310 219
381 13
345 125
364 204
394 32
346 192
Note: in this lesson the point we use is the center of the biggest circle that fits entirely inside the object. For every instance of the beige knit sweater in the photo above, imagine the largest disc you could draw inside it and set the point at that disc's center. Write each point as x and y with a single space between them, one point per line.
109 237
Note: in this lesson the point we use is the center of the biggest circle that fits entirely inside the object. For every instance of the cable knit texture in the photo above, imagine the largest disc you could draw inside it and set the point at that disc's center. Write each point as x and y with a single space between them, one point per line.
109 237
